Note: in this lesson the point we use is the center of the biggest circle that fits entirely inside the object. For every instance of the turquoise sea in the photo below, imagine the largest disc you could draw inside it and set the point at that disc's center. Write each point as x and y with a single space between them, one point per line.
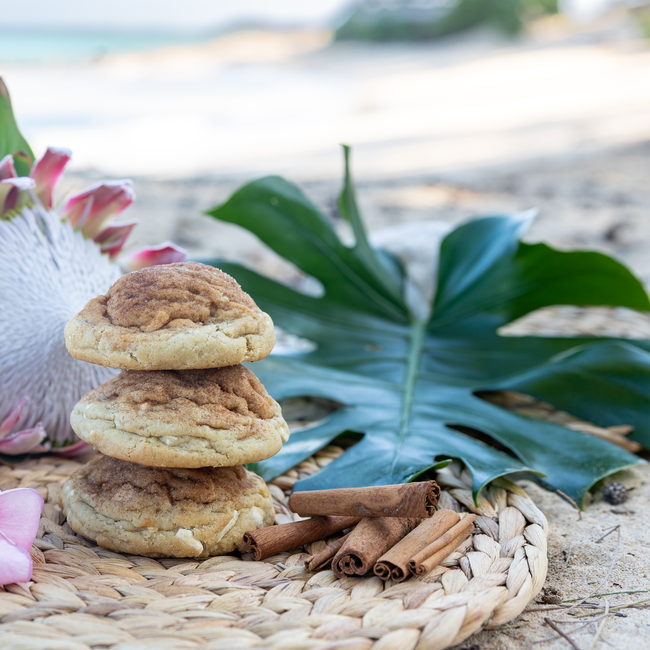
41 46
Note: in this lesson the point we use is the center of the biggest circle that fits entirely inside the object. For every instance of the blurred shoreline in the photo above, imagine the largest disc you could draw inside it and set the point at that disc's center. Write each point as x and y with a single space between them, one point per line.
557 119
464 103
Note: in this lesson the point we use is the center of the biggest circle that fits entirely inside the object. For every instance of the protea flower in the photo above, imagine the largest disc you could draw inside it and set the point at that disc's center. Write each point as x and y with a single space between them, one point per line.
52 264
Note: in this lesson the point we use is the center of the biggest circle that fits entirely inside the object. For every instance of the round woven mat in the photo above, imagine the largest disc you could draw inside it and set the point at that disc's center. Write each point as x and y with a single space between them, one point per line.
83 596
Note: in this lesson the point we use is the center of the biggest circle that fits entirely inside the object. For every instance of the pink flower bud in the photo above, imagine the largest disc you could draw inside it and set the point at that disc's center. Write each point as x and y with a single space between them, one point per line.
91 209
166 253
19 442
7 169
22 442
47 171
10 189
12 419
112 238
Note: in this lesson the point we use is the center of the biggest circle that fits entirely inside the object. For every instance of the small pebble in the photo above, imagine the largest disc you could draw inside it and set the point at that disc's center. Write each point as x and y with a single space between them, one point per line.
551 596
615 493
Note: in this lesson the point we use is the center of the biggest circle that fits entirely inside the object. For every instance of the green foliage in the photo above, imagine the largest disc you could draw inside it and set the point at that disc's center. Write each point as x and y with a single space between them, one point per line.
507 16
409 385
642 17
11 140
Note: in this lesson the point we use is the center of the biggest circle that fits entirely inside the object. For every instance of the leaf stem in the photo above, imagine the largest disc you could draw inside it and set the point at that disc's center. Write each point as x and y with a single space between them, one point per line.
350 211
413 362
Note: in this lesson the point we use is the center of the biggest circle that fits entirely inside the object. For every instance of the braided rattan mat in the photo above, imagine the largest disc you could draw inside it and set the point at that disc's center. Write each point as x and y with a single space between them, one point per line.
83 596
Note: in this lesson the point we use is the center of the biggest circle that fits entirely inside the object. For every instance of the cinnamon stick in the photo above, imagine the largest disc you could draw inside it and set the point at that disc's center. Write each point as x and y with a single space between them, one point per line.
321 559
445 545
395 563
368 542
406 500
265 542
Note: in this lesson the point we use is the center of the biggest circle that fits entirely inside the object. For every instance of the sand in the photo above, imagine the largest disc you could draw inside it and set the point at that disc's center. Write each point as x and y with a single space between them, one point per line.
578 565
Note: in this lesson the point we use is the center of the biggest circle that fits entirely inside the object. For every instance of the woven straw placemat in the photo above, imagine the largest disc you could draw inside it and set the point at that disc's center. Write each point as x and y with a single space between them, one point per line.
82 596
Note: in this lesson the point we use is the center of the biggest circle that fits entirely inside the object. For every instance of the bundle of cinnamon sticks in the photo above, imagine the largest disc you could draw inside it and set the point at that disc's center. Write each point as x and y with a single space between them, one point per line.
395 530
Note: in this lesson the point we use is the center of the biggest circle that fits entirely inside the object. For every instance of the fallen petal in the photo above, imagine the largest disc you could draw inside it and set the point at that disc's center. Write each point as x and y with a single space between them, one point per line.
20 512
15 562
12 419
113 238
91 209
166 253
7 169
22 442
47 171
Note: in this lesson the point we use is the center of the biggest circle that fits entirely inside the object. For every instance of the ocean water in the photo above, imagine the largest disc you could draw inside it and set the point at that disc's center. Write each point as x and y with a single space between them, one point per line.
46 31
41 46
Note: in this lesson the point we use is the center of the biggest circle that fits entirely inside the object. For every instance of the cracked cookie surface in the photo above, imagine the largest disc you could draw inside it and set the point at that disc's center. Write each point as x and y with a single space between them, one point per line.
165 512
182 418
171 317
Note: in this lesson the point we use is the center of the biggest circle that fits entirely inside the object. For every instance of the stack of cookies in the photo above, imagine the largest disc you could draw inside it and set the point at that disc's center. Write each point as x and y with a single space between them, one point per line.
177 425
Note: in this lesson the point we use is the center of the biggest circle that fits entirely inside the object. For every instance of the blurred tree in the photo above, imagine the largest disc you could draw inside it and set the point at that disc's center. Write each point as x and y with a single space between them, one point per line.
642 15
420 20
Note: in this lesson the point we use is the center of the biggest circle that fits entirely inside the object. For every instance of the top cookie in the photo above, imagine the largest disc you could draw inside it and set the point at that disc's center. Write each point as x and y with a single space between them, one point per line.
171 317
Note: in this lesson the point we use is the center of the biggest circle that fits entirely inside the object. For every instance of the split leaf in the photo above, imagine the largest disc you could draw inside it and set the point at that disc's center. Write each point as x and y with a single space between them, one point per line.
409 386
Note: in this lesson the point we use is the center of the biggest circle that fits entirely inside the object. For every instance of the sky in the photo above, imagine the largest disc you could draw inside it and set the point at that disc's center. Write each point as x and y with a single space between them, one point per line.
163 14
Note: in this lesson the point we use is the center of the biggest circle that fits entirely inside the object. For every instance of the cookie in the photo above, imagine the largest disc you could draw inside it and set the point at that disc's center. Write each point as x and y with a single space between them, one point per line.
158 512
171 317
182 418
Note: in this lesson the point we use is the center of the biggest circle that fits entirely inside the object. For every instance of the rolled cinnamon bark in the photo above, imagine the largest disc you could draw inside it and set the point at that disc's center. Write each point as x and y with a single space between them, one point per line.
445 545
395 563
321 559
368 542
265 542
406 500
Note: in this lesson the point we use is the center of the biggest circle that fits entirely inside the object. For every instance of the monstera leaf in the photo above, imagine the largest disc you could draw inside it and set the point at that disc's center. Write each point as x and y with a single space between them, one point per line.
410 386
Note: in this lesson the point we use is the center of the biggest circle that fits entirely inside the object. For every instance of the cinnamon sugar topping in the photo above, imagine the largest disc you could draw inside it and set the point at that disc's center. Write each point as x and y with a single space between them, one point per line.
188 292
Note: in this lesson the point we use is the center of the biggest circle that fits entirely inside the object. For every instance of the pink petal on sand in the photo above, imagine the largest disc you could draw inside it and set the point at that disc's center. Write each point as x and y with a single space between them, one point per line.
22 442
112 238
20 512
15 562
91 209
10 189
47 171
12 419
7 169
166 253
71 450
